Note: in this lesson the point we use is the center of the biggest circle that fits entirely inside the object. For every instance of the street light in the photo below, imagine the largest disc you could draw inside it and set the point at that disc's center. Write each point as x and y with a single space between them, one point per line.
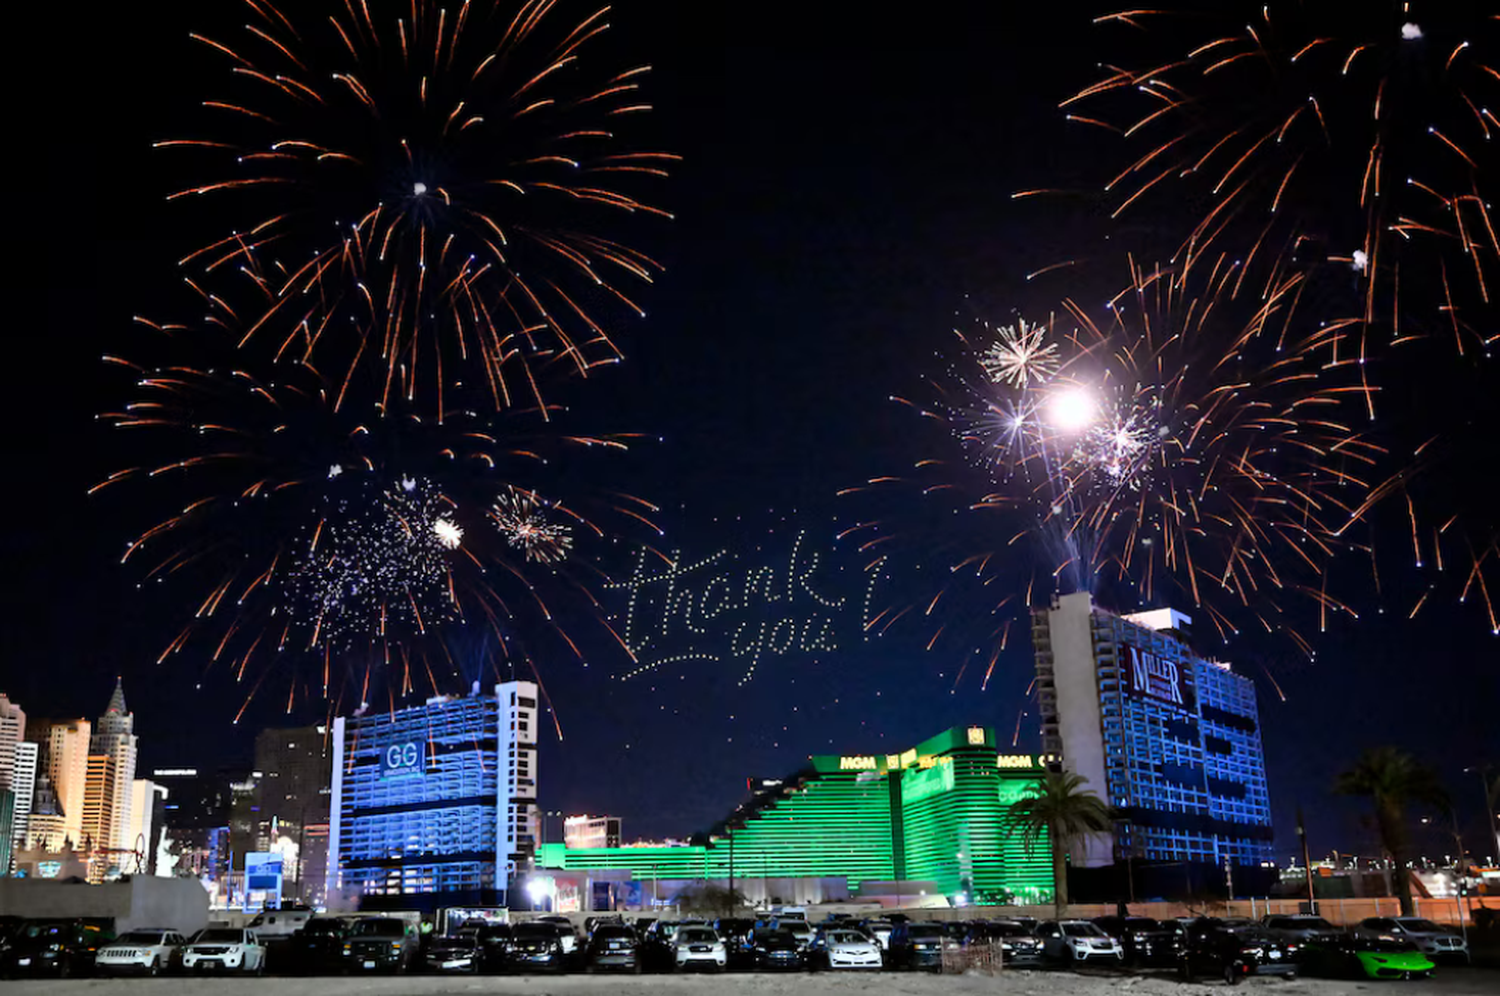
1483 771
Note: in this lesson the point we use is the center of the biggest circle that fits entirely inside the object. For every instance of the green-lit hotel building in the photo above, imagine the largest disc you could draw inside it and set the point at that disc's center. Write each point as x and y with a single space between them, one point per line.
935 814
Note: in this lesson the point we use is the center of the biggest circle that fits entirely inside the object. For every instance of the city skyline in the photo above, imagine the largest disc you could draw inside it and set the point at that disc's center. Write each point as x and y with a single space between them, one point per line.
834 223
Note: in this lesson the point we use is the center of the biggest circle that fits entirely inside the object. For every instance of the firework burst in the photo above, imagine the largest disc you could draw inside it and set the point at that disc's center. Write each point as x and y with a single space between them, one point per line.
1364 130
521 518
1195 444
1020 355
360 543
432 189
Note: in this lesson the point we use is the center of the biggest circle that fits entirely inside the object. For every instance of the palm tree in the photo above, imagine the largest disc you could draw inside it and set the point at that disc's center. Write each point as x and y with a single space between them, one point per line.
1056 809
1391 778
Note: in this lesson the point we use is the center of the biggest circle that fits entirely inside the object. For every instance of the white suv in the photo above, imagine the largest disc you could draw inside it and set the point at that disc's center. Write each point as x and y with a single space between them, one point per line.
1076 941
699 947
151 951
225 949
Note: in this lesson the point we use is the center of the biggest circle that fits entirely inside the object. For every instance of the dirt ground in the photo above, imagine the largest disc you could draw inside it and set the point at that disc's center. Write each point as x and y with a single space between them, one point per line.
1014 982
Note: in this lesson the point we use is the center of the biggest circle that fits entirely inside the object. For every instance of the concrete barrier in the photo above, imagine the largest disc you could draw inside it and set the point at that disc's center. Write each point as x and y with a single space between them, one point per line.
177 903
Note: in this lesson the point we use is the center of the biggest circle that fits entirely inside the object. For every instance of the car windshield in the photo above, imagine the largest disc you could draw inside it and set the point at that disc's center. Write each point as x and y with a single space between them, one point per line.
696 935
1141 923
383 927
924 932
1082 930
1301 923
846 937
548 930
322 927
1419 926
140 937
219 936
613 931
1006 930
778 939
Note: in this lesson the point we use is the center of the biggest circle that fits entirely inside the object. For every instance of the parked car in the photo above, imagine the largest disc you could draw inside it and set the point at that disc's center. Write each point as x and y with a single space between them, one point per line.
777 950
1074 942
565 933
1144 941
919 944
1430 939
279 923
1234 950
318 948
1302 928
879 928
225 949
797 926
381 944
60 948
698 948
1018 946
460 952
736 933
839 947
494 943
613 947
147 952
1352 955
535 947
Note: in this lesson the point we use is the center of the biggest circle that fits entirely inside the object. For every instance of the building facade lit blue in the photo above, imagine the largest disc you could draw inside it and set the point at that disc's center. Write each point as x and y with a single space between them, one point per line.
1172 741
436 804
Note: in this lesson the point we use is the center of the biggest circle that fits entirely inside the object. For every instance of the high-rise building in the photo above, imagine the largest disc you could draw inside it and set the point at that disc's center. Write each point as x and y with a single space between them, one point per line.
23 784
114 737
436 804
63 755
7 829
46 830
591 831
291 793
933 816
12 732
1170 740
98 815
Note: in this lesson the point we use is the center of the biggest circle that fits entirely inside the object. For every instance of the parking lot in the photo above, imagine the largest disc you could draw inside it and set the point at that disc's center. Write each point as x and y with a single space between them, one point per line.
1020 982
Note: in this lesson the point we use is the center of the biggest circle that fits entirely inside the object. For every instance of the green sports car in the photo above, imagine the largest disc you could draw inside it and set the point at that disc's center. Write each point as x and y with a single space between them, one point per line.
1366 957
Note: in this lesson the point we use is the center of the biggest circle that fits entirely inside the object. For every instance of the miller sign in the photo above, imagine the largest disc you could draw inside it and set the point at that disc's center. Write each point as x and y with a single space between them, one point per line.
1158 677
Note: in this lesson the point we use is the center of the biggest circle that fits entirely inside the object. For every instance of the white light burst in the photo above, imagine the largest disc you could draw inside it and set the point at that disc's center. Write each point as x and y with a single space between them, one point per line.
1021 355
449 533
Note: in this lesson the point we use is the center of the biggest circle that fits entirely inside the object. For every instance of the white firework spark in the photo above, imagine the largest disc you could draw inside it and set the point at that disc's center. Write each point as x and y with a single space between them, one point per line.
449 533
1021 355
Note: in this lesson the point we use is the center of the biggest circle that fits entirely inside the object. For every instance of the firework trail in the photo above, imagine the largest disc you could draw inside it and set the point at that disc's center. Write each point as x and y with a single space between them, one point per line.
312 537
433 189
1364 129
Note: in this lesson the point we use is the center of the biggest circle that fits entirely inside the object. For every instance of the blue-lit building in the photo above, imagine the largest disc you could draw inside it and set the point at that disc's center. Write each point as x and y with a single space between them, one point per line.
435 805
1171 740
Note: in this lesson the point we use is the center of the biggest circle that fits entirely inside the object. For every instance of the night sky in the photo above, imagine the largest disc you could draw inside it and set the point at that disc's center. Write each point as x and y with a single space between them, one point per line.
844 202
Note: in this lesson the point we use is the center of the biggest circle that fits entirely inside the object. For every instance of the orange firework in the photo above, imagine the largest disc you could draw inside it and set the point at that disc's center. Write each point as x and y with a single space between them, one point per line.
433 191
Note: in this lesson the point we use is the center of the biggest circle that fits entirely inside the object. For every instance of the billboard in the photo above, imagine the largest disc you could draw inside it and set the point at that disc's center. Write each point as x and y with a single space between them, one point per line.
1151 675
405 757
263 876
